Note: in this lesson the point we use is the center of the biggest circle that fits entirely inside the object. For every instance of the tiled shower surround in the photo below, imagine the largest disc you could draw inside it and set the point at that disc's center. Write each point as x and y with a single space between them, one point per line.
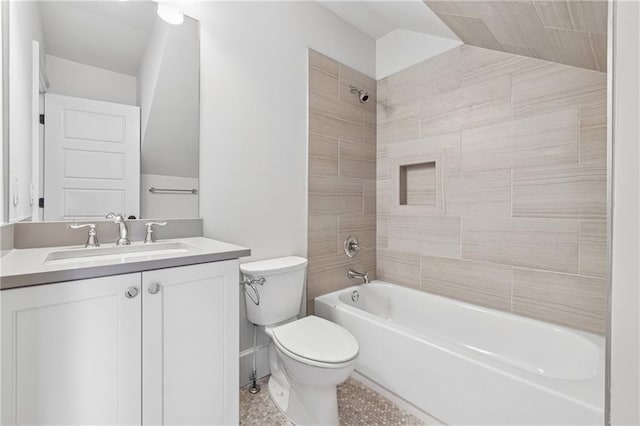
513 215
491 182
342 175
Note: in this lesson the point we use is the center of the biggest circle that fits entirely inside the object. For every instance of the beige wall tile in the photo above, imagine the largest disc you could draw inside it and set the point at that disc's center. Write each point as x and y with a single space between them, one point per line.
357 160
571 300
398 131
554 14
478 64
383 167
398 267
369 134
479 194
593 133
350 77
361 226
322 84
537 140
569 191
550 244
446 144
382 232
335 195
486 284
531 28
331 107
323 155
323 63
384 198
471 30
342 173
424 235
576 46
593 248
329 273
437 75
552 87
323 235
590 16
370 193
334 127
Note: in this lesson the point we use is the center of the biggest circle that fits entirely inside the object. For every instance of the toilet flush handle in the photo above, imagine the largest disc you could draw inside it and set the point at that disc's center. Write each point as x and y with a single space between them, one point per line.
252 282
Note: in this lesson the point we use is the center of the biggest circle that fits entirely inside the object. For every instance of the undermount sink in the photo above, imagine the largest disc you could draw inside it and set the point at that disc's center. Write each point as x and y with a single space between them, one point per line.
124 253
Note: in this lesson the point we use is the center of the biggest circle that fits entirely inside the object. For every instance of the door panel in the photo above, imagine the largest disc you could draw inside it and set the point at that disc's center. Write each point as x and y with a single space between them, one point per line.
190 345
91 146
74 349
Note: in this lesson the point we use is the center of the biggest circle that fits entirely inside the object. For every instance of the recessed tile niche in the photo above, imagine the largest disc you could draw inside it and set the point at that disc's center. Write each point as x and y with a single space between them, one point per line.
418 184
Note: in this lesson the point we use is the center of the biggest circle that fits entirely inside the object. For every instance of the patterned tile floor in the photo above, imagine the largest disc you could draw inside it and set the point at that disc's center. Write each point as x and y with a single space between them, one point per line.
357 404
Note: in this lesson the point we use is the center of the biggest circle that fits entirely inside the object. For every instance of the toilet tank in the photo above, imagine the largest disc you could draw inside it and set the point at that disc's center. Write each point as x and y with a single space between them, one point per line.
280 295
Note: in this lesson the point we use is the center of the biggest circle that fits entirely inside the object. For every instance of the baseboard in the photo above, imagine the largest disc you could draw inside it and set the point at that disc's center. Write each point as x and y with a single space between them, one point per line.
246 363
397 400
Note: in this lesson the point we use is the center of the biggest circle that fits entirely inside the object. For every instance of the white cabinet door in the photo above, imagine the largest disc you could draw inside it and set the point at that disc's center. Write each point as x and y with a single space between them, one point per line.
71 353
190 345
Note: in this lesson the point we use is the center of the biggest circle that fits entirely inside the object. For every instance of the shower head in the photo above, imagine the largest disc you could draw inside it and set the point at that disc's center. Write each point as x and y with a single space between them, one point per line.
362 95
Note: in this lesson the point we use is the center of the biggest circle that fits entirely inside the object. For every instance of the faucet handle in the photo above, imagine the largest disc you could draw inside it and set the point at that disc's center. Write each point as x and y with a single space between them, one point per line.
92 239
150 237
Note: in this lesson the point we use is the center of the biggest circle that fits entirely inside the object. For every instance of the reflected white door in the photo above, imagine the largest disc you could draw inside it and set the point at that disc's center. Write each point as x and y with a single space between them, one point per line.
92 158
71 353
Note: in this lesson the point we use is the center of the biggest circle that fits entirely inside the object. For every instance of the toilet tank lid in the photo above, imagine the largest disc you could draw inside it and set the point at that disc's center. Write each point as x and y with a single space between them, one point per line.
276 265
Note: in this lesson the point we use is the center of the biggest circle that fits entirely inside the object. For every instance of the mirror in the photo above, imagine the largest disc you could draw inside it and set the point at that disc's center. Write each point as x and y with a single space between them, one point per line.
103 110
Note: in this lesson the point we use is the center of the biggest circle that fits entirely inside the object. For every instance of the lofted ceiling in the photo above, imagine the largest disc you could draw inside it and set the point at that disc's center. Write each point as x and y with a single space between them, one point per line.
105 34
377 18
571 32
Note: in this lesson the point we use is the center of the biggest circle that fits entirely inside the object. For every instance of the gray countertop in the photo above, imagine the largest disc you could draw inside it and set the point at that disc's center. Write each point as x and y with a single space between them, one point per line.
28 267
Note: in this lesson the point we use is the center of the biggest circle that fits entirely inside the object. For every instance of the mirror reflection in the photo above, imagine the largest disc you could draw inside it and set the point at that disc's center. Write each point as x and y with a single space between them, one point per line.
103 110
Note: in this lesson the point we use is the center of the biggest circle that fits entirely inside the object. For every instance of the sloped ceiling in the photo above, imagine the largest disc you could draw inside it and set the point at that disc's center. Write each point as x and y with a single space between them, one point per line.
571 32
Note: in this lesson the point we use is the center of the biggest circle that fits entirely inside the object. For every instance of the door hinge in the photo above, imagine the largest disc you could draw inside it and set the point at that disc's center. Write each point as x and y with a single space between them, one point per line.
41 203
41 118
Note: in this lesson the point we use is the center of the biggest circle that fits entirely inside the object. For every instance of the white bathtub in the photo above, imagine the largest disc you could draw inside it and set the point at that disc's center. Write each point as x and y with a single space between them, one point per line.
464 364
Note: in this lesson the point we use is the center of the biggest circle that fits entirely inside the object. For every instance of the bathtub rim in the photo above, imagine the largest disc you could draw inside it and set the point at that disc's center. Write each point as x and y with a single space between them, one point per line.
332 300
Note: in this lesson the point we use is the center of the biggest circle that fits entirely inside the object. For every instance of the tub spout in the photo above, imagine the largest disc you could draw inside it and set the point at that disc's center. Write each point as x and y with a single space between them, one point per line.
354 274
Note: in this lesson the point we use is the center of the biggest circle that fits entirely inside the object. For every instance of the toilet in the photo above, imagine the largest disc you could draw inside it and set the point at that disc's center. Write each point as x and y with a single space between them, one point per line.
308 357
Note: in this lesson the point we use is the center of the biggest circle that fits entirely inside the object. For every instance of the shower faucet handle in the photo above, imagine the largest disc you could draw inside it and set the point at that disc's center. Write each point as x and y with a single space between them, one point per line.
352 246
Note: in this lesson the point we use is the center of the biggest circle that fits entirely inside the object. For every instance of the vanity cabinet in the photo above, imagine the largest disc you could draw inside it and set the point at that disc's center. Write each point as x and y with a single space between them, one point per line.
148 348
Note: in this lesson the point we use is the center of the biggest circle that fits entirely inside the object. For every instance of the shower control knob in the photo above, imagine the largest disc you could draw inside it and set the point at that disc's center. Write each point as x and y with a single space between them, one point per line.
153 288
131 292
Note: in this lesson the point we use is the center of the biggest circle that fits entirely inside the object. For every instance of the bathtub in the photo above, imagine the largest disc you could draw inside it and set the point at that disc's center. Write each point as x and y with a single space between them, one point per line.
464 364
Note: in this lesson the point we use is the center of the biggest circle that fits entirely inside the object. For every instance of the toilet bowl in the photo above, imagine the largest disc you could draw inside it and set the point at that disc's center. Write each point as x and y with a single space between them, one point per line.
308 357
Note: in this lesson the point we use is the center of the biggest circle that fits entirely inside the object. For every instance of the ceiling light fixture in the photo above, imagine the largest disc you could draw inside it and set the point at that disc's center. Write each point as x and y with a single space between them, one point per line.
170 15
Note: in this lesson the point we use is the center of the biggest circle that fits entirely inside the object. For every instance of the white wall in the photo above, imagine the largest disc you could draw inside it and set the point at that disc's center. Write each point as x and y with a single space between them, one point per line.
170 143
148 72
253 132
625 292
72 78
402 48
167 206
24 29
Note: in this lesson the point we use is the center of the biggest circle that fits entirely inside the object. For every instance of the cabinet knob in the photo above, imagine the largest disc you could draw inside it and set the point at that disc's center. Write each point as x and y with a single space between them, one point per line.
153 288
131 292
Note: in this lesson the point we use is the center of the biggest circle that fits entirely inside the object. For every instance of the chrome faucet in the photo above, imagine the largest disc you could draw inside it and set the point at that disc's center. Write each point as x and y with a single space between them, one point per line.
354 274
124 232
92 238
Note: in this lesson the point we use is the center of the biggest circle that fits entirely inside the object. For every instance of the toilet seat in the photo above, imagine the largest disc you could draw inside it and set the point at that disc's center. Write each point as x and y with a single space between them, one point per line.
316 341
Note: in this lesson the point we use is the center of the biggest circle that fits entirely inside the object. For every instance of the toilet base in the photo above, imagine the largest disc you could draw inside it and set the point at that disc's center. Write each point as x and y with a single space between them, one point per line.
302 405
